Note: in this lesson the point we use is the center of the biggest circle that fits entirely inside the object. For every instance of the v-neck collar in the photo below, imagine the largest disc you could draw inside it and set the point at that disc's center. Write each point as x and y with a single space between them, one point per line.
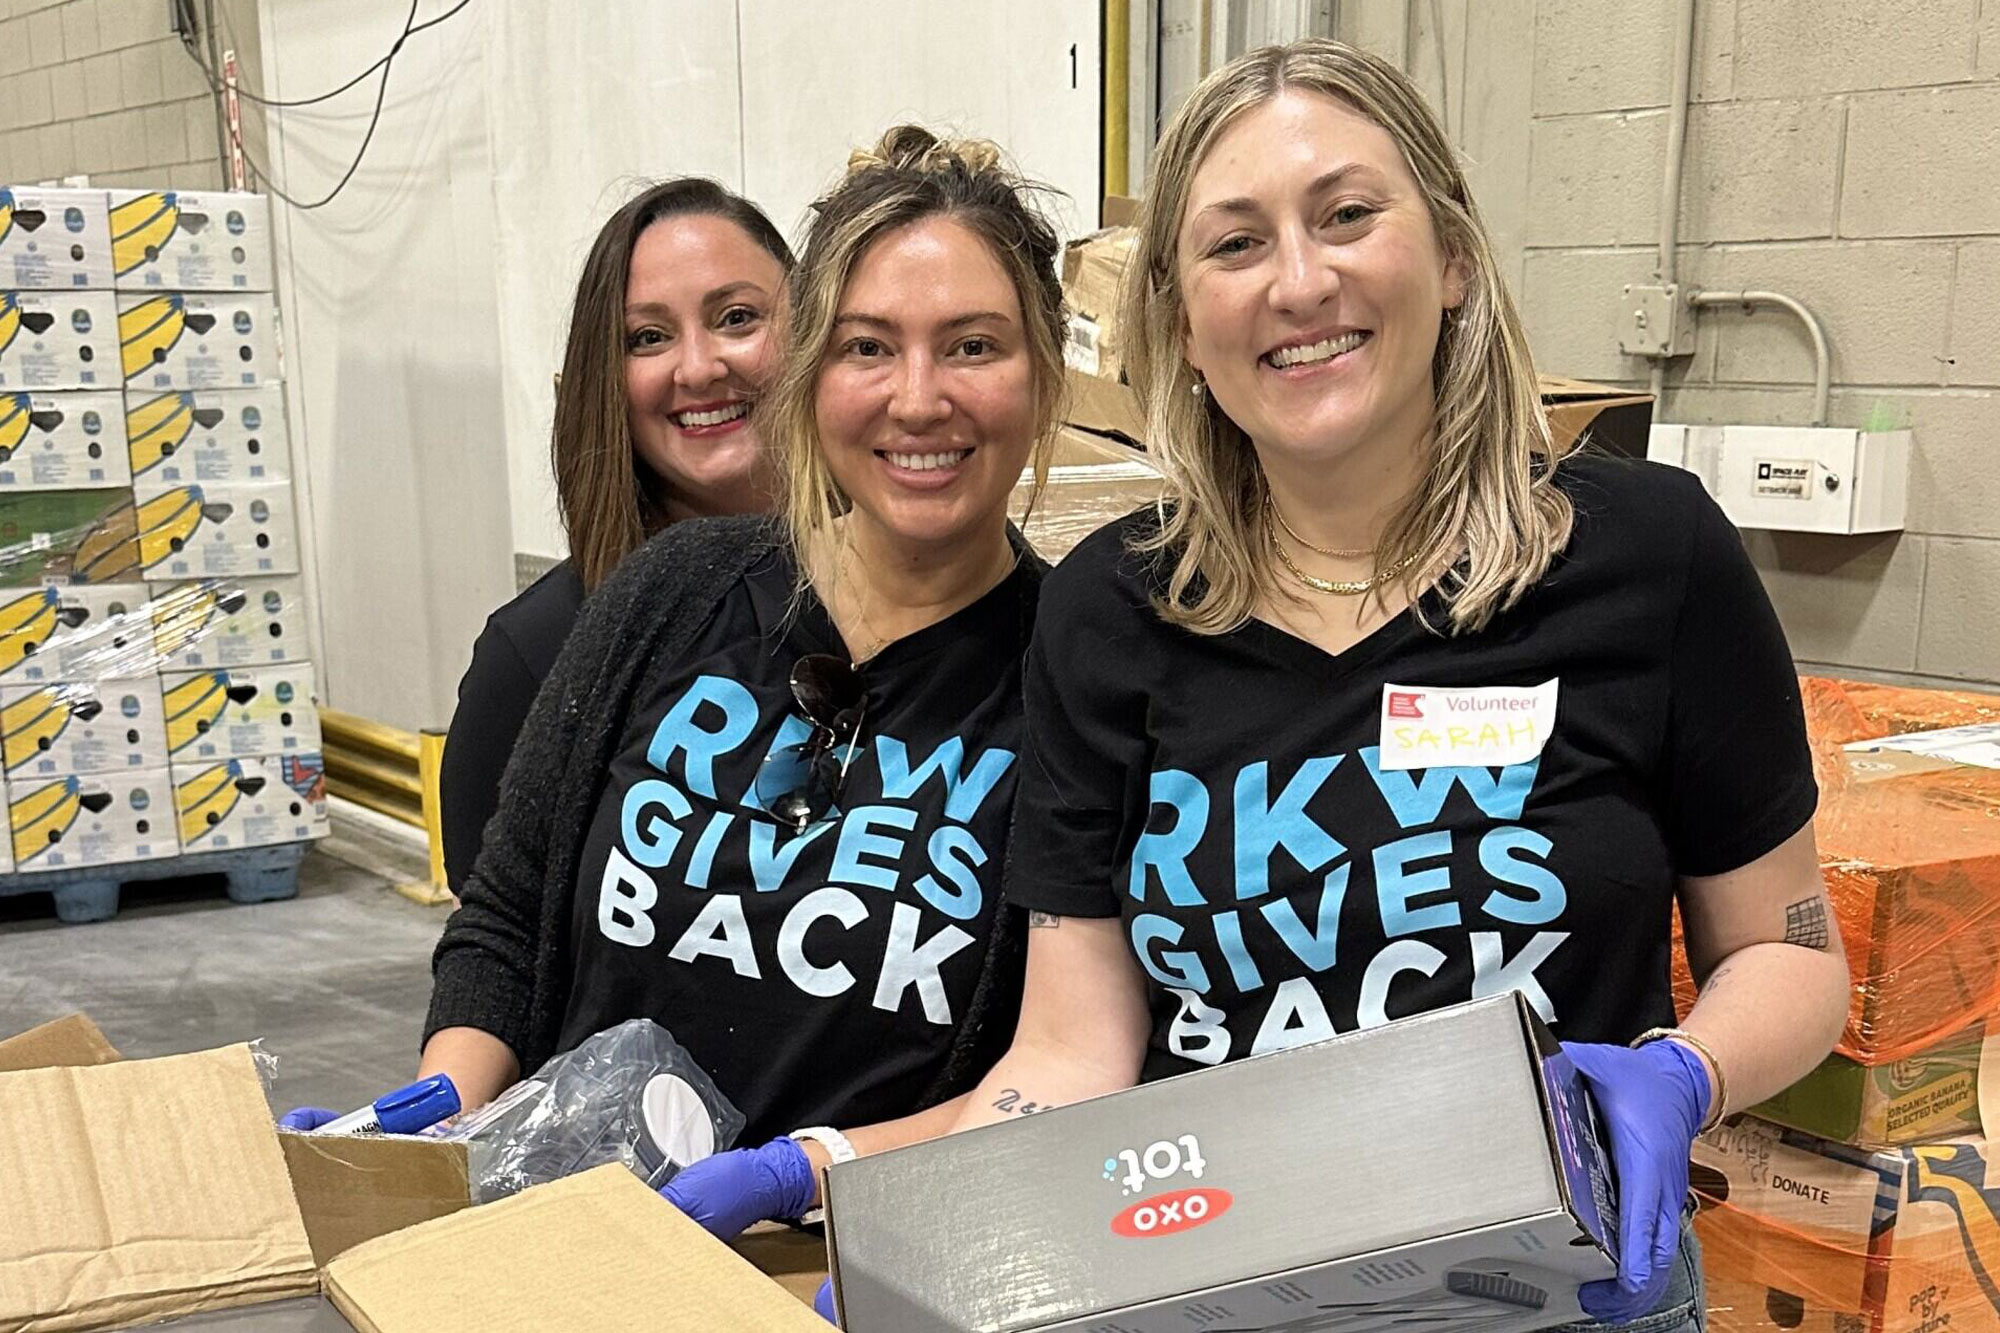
1309 659
805 619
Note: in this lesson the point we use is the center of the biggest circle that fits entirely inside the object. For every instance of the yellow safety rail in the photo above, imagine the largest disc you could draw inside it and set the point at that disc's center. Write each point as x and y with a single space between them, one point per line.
395 773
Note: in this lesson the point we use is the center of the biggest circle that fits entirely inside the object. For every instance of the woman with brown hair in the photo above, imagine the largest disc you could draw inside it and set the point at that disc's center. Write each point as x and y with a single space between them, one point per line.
763 796
1390 704
671 343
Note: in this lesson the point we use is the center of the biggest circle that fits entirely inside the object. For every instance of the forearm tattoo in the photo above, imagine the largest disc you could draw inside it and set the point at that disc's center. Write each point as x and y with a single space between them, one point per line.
1806 924
1011 1103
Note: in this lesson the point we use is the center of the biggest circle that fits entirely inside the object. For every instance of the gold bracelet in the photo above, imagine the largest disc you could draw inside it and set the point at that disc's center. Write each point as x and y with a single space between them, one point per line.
1719 1103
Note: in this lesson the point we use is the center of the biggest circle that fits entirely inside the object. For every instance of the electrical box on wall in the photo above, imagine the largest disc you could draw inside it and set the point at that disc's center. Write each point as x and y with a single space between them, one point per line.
1814 478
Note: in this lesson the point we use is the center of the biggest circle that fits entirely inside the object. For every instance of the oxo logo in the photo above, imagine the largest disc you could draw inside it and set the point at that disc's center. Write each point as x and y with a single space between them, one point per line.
1170 1214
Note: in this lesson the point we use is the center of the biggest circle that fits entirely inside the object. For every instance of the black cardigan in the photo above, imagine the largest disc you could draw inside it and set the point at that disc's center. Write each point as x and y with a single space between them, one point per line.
503 964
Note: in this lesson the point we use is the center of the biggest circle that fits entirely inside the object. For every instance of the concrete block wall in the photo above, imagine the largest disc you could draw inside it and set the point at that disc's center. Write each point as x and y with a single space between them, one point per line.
103 88
1845 152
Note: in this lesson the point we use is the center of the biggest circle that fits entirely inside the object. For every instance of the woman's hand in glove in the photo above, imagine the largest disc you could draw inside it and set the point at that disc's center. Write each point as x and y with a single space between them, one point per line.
1652 1101
731 1191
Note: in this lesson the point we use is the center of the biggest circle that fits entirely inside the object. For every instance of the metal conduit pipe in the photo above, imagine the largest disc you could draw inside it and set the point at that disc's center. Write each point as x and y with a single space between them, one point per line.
1670 192
1822 358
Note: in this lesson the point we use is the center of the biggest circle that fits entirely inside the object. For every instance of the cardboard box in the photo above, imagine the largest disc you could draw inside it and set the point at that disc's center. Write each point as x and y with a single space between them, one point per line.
250 802
81 632
229 623
105 726
1253 1195
1928 1096
67 1043
1892 1242
1093 271
63 441
97 819
143 1189
1093 480
168 240
54 239
64 537
200 532
58 340
241 714
227 437
191 341
596 1251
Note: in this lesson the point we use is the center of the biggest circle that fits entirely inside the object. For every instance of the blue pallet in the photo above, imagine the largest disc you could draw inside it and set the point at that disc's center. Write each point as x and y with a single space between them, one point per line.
90 893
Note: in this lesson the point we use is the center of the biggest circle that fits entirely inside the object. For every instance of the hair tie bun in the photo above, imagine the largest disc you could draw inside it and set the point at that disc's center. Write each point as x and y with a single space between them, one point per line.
914 148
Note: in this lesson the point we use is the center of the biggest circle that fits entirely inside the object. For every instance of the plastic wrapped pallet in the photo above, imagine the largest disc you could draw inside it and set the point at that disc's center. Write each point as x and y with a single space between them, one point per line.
1092 481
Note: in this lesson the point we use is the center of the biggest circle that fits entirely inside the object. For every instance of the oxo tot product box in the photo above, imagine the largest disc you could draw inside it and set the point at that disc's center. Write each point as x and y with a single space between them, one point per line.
54 239
229 623
200 532
63 441
206 437
58 340
104 726
82 632
191 340
253 802
1444 1170
94 819
177 241
241 713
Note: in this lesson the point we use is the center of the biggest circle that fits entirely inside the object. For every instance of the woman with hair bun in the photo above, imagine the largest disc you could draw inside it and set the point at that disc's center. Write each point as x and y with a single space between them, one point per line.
763 797
1389 704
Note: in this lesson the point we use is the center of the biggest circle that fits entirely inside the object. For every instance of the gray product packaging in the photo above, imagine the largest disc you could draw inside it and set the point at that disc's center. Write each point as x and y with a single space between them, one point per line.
1445 1170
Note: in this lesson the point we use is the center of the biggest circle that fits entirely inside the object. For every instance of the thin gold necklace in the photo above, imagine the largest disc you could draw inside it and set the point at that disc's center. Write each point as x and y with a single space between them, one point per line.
1337 587
1338 552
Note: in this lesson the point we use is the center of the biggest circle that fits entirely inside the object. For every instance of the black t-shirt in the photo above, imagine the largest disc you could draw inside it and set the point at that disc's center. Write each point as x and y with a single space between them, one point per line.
817 977
514 652
1233 798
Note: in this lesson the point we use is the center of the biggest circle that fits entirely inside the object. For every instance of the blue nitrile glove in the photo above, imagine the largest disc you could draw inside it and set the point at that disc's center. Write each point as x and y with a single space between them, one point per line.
731 1191
307 1118
823 1302
1652 1101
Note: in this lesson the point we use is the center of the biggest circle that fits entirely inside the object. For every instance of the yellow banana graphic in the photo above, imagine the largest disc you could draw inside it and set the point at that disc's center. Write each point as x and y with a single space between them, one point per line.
167 521
31 724
25 625
192 708
148 331
14 417
109 552
182 614
140 227
206 799
6 213
1954 1174
10 318
155 428
42 816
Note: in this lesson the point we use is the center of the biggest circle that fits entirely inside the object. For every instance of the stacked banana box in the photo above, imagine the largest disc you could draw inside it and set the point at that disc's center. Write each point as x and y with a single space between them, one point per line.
1866 1198
156 696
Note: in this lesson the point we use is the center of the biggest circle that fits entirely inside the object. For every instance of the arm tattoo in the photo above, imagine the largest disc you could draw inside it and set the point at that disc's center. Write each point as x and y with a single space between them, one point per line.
1010 1103
1806 924
1043 921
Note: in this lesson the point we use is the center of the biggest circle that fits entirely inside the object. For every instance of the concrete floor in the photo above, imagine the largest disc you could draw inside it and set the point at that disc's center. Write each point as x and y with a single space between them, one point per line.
335 981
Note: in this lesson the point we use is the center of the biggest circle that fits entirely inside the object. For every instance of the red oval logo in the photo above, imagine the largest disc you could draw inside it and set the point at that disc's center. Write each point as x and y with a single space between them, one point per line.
1171 1214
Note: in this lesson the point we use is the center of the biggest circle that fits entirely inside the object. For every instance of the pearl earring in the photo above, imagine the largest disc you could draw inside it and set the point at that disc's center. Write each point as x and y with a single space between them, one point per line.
1199 390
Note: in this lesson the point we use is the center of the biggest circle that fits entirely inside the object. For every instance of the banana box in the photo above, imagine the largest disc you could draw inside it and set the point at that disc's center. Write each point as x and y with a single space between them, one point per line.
240 714
96 819
1846 1241
207 437
171 240
226 623
58 340
103 726
250 802
195 341
63 441
54 239
83 632
68 537
200 532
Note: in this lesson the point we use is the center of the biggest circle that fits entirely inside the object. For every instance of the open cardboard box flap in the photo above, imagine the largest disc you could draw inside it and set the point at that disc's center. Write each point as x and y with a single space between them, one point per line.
158 1188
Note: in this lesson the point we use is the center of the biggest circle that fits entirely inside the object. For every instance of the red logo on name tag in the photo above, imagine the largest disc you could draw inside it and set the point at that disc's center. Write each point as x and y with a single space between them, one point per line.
1404 705
1170 1214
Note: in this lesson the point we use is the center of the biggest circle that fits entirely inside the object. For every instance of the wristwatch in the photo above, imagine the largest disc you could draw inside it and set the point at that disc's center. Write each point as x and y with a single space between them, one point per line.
838 1149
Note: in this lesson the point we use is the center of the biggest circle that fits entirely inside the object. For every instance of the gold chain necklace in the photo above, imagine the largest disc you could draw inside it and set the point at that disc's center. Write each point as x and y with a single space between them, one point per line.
1336 587
1338 552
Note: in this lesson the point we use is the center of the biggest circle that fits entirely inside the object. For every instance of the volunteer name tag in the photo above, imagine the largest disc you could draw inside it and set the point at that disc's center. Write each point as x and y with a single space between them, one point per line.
1489 727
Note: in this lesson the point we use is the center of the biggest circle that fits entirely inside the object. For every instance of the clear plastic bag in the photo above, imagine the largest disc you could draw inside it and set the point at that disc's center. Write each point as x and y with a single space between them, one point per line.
630 1094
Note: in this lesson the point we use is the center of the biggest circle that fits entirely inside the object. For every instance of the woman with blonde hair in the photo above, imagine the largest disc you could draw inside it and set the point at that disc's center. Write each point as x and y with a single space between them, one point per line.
1388 705
763 797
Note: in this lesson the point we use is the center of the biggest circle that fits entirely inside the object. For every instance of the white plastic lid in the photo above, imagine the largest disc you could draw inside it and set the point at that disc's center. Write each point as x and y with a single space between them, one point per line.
676 1120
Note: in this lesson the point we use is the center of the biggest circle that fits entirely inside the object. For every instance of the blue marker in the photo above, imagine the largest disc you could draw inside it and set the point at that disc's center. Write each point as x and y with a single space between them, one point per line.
408 1110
